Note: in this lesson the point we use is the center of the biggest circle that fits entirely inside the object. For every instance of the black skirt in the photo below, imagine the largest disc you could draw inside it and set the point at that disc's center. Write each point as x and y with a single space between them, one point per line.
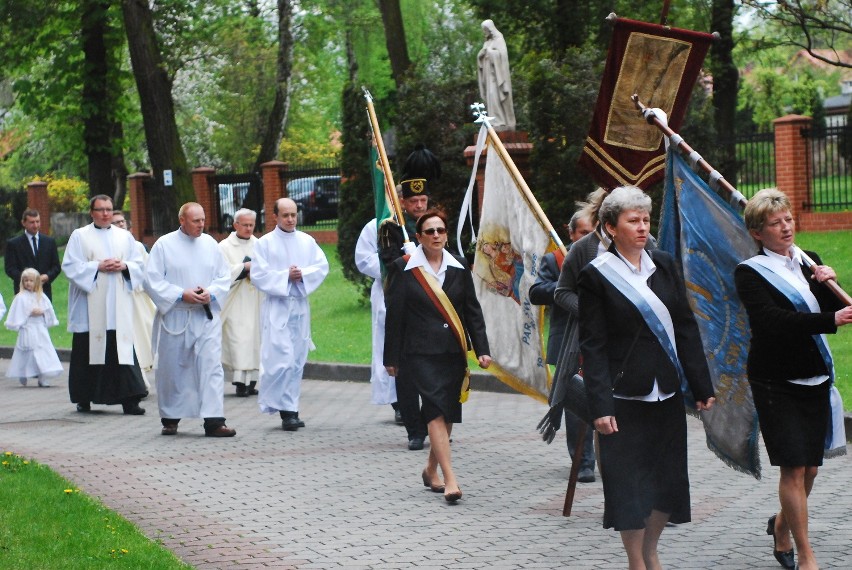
793 420
438 378
644 465
109 383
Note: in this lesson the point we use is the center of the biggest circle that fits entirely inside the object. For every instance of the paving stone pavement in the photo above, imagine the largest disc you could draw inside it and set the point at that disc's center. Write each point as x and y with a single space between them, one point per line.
345 492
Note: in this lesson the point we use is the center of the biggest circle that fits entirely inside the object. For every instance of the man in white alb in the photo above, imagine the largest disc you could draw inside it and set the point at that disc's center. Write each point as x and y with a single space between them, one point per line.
241 312
367 261
288 266
188 279
103 267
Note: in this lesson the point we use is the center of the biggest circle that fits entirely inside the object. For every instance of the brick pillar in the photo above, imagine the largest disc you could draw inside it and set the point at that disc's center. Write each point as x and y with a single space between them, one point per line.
202 183
793 161
519 148
37 199
273 188
140 216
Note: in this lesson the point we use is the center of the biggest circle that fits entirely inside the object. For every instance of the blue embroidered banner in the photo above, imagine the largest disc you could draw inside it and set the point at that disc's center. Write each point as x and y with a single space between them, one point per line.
709 239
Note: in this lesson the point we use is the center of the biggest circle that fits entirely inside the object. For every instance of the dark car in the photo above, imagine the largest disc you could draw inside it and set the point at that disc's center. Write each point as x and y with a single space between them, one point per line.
316 198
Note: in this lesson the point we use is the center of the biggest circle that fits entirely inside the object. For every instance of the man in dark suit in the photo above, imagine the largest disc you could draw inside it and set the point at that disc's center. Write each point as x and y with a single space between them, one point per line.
32 249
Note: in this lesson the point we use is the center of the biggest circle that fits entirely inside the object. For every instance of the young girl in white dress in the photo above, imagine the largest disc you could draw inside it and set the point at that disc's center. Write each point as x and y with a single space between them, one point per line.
30 314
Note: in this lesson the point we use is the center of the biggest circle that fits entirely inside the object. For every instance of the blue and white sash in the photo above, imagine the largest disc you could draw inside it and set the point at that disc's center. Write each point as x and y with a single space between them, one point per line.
835 439
602 263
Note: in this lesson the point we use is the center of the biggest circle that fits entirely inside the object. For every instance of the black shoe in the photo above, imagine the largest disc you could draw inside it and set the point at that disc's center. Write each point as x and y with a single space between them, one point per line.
586 475
300 423
84 407
290 423
415 444
251 390
242 391
133 410
397 417
787 559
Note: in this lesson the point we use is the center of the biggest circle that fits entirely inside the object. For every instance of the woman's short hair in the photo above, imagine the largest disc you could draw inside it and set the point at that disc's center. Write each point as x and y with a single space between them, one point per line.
620 200
431 213
587 209
762 205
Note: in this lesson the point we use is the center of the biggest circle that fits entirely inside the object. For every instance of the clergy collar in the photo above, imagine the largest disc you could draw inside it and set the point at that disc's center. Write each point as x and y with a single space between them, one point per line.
184 234
97 227
286 233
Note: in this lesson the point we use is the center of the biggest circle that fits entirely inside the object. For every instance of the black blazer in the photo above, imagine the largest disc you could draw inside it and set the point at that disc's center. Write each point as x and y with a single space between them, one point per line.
413 324
19 256
782 346
541 293
608 324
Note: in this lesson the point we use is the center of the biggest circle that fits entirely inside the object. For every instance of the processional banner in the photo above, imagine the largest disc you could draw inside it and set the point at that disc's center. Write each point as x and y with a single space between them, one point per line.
709 238
509 247
660 65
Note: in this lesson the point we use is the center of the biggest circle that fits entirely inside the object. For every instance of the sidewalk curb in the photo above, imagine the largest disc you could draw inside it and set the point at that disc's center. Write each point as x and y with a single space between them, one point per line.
337 372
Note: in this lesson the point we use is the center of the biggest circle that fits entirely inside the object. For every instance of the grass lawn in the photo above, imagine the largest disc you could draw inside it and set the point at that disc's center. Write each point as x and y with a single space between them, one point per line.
58 527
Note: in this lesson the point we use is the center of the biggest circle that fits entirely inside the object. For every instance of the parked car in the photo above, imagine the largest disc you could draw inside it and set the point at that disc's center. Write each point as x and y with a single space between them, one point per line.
316 198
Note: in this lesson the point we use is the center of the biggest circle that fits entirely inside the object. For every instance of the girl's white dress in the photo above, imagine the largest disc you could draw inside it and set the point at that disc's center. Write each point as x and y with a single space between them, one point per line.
34 354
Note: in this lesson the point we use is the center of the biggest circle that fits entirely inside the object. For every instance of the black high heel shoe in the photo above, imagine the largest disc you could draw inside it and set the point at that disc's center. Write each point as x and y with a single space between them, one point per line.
787 559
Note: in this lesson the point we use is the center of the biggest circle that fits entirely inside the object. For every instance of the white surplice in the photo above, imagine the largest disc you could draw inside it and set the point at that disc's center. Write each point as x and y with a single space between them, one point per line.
367 261
98 302
143 321
286 316
187 345
241 312
34 354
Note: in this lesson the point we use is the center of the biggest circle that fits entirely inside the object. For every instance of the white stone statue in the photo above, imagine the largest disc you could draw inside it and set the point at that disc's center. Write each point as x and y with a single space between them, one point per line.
495 84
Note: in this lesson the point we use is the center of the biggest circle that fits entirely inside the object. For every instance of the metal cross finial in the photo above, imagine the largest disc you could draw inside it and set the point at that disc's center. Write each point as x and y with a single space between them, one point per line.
479 112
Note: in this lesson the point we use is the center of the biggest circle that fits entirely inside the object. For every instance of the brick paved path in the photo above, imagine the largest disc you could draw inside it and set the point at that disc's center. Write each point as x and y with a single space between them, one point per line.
346 493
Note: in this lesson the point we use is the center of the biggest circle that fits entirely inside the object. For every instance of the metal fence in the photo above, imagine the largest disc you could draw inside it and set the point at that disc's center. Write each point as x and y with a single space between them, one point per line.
316 190
234 191
831 149
755 162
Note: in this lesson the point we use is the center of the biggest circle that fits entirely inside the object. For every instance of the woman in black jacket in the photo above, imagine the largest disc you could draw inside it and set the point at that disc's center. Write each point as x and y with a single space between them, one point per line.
432 317
640 344
789 364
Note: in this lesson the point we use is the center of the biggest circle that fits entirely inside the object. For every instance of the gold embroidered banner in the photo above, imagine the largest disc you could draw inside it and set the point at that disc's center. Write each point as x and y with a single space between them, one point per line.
659 64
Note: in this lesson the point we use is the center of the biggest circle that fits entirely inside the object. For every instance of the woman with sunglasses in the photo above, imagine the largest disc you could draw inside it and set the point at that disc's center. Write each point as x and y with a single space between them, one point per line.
433 317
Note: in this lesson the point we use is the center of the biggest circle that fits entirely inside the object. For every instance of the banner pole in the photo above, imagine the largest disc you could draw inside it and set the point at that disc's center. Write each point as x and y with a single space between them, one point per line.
390 187
716 180
482 117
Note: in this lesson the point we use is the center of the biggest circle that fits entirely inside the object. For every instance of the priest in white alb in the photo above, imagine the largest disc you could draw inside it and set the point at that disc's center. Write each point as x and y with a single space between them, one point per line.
241 312
288 266
188 279
367 261
103 267
143 309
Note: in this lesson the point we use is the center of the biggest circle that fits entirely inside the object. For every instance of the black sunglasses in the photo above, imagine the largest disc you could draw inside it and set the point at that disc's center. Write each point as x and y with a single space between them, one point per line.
433 231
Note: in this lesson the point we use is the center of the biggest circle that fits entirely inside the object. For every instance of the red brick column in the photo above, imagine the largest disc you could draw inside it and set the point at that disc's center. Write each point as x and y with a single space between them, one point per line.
519 148
140 216
202 183
37 199
793 166
273 188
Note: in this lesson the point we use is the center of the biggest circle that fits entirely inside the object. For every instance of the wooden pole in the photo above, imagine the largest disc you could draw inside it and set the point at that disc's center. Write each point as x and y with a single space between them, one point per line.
520 183
390 187
714 175
579 447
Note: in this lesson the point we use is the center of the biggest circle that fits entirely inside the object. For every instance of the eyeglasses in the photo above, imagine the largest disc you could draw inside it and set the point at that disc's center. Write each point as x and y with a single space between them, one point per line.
102 210
119 222
433 231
